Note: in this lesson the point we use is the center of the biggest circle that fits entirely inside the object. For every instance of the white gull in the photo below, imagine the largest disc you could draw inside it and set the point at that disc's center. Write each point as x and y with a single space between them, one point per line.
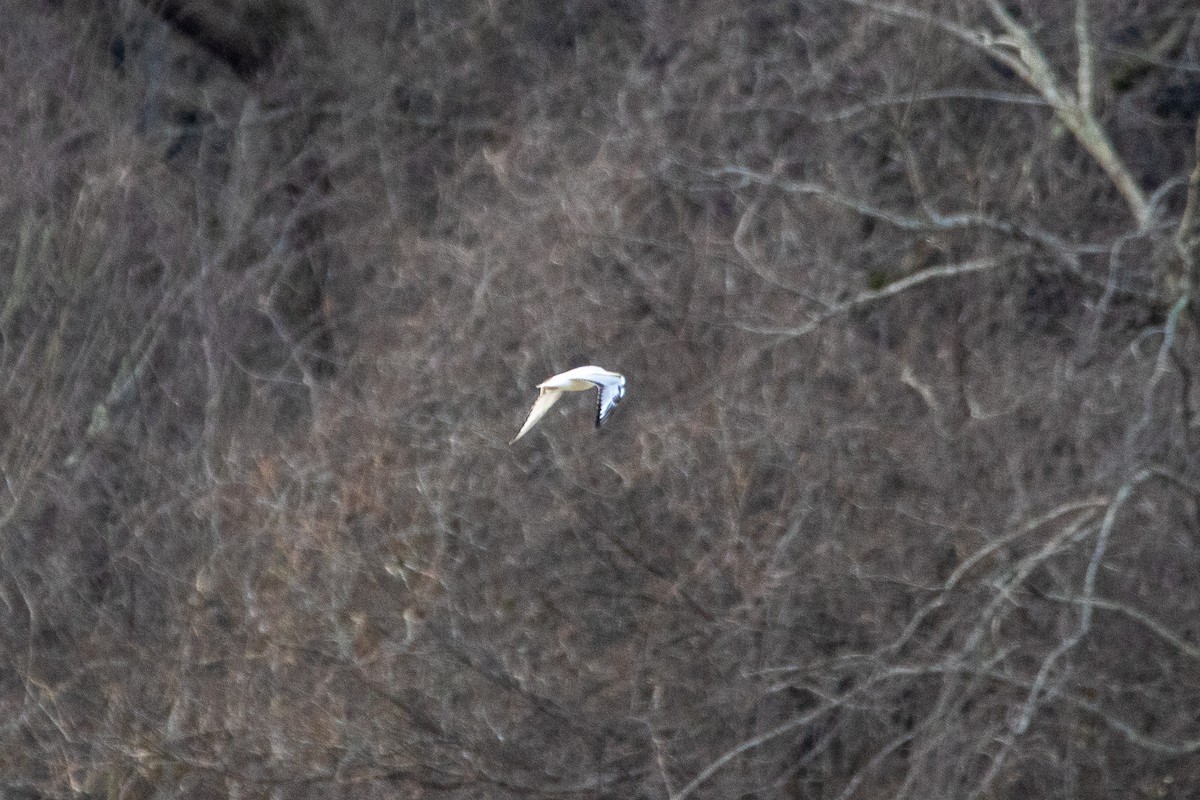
610 386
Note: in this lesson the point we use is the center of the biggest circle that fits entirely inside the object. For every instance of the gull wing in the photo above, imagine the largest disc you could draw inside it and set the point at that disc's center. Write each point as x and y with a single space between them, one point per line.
609 394
548 397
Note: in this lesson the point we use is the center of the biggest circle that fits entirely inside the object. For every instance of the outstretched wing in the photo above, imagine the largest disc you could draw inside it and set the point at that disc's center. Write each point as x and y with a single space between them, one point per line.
546 398
607 397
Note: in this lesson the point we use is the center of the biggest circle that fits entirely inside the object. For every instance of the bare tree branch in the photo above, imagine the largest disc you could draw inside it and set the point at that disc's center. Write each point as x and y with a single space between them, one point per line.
753 742
1016 49
1083 46
1185 235
933 221
1161 362
1149 622
1084 626
875 295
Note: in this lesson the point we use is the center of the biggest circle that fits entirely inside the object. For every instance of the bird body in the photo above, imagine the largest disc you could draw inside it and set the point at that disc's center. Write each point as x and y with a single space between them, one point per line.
610 388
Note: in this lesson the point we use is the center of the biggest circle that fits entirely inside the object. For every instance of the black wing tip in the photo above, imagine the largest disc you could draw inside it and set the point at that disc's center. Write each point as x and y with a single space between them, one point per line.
603 414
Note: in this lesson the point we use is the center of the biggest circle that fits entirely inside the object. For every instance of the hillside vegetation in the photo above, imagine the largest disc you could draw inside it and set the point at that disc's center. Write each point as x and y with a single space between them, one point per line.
903 500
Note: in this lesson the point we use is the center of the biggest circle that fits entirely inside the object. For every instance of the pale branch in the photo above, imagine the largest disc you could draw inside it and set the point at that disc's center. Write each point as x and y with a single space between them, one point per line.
1178 481
1078 529
1033 67
934 221
1088 132
1087 505
1016 49
1076 114
1102 306
750 744
1083 44
875 295
1141 617
961 32
905 99
989 618
931 724
1007 678
827 704
909 378
1185 234
1131 734
966 662
866 209
1170 329
660 757
1037 691
884 752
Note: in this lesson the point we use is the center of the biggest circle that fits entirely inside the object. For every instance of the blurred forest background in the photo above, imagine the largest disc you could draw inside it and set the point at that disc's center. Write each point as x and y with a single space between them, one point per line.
903 501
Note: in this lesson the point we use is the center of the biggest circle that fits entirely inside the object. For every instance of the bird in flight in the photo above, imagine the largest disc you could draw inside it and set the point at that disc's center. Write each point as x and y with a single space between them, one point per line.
610 386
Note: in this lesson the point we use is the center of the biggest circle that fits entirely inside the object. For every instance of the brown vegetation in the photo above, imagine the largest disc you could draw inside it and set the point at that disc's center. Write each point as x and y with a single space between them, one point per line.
903 500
